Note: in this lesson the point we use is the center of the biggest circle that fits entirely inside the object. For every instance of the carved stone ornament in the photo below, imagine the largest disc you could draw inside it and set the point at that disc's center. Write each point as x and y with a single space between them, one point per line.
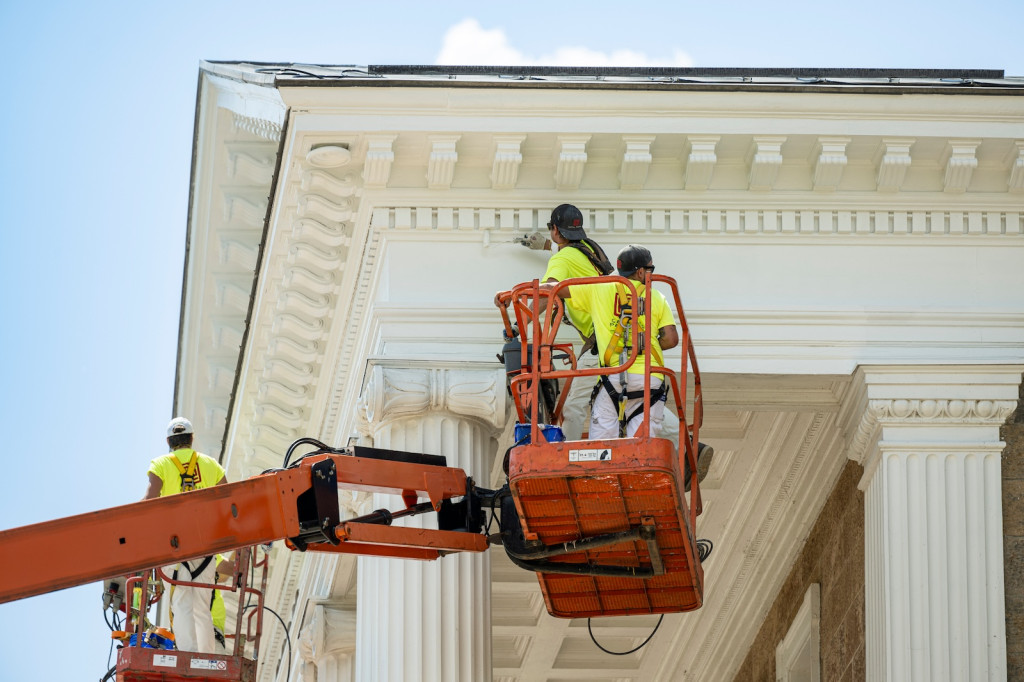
330 631
921 412
396 393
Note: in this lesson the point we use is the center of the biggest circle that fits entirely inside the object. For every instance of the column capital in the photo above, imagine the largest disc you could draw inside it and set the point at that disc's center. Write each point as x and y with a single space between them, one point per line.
894 405
396 391
331 631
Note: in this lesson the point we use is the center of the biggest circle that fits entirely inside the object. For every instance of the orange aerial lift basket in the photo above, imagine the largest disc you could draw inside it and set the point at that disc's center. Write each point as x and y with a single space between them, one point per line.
608 525
141 660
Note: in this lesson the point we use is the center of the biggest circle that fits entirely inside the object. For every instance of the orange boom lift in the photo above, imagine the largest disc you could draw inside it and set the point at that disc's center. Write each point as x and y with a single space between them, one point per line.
607 525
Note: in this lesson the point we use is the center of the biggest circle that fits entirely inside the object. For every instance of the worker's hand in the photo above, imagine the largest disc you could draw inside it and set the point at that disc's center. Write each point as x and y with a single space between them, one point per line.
535 240
497 300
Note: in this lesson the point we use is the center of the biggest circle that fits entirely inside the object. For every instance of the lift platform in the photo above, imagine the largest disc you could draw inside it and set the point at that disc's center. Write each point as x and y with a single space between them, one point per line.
607 524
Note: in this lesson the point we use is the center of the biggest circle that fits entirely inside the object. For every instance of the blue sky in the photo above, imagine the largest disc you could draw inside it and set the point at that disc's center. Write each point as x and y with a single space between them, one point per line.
95 151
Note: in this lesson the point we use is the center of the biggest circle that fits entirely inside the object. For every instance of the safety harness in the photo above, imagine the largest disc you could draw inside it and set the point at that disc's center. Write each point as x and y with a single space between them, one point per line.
189 472
622 334
193 573
189 478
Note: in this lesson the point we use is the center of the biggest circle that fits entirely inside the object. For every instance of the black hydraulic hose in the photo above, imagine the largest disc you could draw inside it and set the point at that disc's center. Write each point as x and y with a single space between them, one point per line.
580 545
304 441
624 653
543 566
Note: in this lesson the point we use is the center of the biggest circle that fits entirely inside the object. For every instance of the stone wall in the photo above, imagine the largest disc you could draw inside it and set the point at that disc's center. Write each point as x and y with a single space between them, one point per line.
834 558
1013 540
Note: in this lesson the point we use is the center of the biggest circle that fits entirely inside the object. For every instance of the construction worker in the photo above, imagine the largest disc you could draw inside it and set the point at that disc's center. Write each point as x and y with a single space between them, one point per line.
617 408
182 470
577 256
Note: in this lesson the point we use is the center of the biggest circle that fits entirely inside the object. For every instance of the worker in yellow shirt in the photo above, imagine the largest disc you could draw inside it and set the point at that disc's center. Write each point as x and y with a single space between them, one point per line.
180 471
577 256
617 409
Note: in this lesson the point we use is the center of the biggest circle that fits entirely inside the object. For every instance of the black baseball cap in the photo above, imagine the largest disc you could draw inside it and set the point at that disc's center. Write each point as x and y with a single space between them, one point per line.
569 221
631 258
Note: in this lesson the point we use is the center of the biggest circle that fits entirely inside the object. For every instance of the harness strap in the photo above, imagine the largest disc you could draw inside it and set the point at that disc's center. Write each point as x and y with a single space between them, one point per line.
188 472
620 327
659 394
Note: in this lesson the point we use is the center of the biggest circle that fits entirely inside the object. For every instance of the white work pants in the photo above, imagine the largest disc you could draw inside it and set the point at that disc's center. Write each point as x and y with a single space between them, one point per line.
192 623
604 415
576 409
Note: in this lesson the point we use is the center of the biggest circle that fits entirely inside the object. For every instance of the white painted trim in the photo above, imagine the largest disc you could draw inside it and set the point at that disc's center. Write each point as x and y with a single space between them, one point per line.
802 643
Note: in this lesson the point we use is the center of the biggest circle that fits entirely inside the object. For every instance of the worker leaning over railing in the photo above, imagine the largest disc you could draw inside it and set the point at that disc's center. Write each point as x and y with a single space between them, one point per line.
181 470
577 256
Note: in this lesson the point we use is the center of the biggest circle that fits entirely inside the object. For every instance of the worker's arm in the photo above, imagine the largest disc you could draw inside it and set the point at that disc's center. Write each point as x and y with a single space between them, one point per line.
550 284
226 567
668 337
543 301
154 486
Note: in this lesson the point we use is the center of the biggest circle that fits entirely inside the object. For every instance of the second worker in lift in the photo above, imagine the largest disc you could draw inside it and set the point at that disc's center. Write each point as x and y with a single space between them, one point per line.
618 404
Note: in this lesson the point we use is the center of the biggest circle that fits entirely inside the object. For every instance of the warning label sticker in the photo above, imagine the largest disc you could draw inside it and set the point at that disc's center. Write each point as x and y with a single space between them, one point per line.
591 455
165 661
207 664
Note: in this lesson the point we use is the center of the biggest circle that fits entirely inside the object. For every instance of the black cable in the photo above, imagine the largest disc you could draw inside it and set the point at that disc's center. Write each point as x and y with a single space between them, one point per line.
324 447
110 652
624 653
287 639
109 675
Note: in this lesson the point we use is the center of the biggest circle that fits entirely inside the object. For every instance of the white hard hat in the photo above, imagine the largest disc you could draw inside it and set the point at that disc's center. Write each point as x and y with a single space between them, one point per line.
178 426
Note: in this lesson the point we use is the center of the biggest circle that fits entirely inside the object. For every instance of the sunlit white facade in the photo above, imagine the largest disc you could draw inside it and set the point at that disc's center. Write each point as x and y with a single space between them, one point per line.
850 250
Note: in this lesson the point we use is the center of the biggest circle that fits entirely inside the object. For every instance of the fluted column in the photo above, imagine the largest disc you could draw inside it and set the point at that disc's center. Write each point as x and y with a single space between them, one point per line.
928 438
429 620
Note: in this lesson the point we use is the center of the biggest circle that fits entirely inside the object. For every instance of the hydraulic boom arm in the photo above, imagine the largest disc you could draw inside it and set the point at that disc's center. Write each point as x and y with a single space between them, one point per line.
299 503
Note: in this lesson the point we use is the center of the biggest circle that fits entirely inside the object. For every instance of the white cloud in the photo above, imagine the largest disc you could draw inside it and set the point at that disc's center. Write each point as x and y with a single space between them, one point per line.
468 43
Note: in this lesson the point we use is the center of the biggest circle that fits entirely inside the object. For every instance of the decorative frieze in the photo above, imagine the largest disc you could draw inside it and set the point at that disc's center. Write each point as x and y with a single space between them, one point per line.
719 220
441 164
572 159
308 262
700 163
960 161
765 158
636 161
507 159
268 130
830 163
893 160
378 159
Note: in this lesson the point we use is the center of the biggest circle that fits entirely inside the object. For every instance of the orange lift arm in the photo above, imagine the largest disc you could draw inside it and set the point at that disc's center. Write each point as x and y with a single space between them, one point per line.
298 503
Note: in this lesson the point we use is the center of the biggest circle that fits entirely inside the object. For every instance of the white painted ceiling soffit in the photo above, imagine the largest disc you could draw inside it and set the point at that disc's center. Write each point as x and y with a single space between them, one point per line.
238 130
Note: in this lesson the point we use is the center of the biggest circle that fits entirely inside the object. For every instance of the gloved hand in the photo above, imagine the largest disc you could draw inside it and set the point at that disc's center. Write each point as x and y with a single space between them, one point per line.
535 240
